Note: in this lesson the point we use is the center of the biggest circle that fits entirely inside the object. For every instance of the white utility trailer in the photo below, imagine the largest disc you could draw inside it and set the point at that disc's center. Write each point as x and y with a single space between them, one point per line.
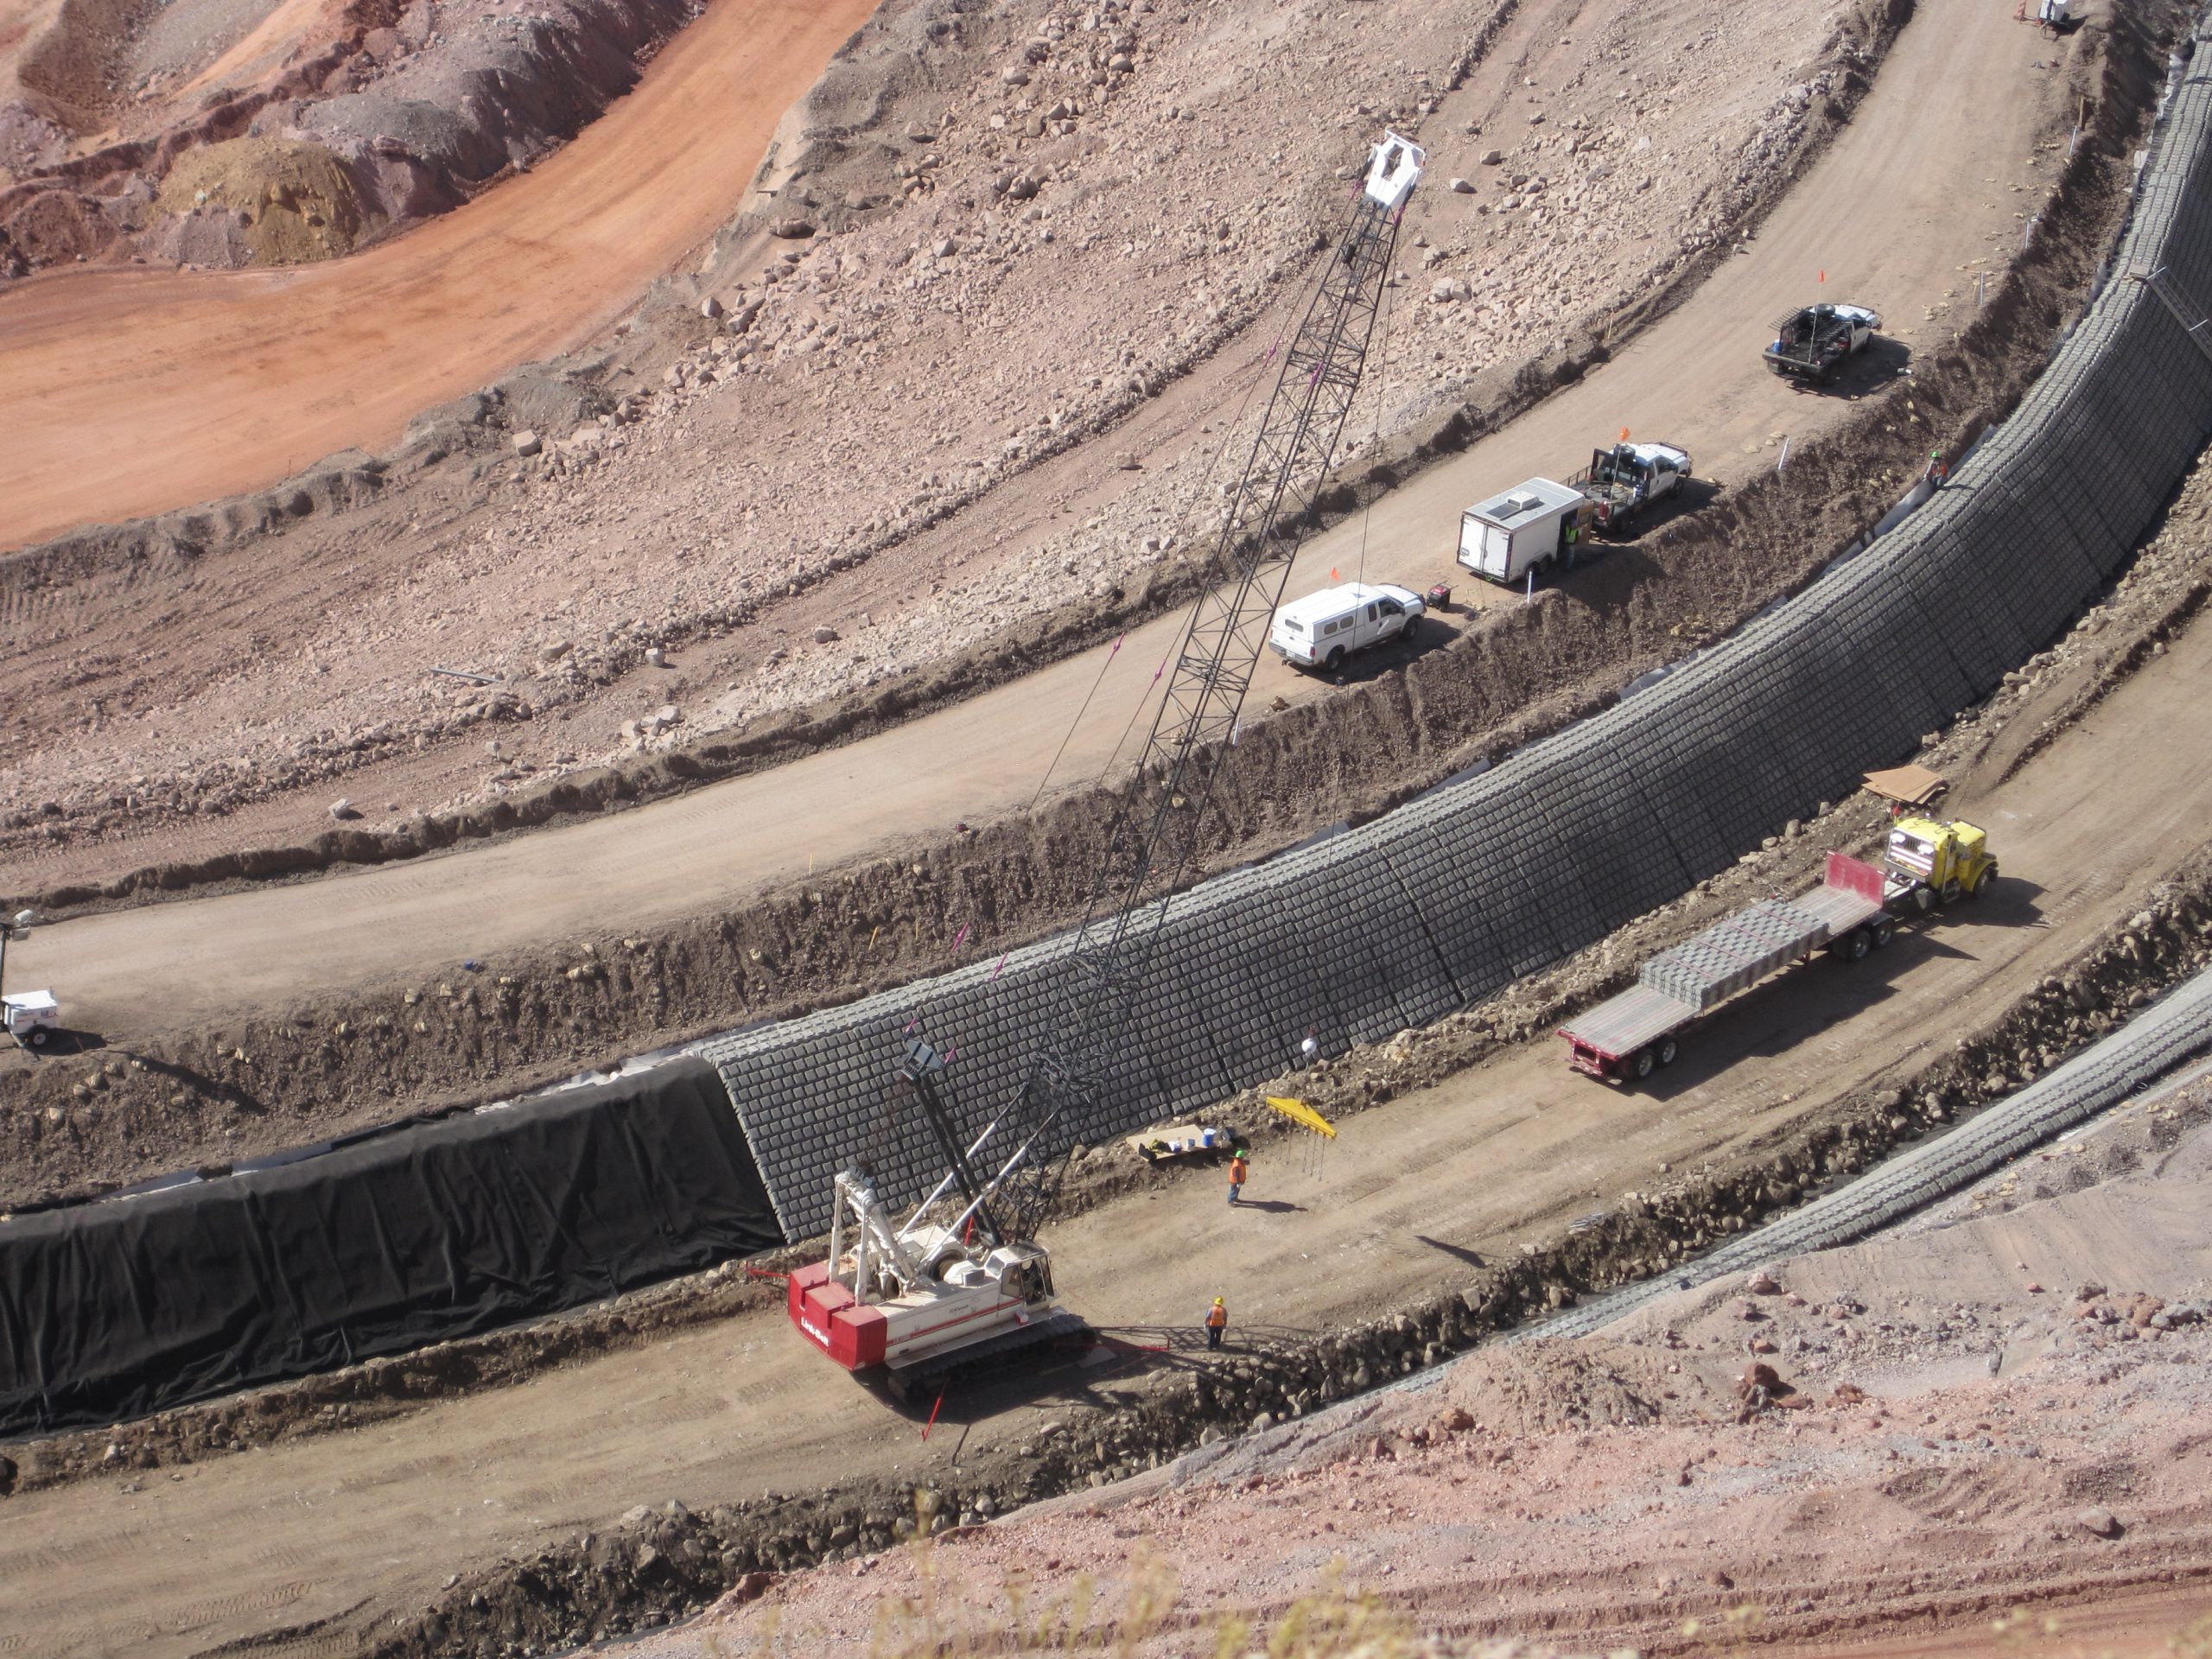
1530 527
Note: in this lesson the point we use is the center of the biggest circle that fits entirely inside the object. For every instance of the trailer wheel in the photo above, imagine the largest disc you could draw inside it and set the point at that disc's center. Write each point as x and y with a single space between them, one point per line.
1667 1051
36 1036
1854 945
1642 1065
1882 931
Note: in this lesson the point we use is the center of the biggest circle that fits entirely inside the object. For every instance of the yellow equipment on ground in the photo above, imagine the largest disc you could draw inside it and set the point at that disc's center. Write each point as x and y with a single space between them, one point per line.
1300 1113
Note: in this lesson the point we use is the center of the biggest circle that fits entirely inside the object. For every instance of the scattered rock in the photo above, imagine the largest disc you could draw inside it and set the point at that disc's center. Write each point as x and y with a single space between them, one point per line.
825 635
528 442
1462 187
791 230
2098 1522
342 809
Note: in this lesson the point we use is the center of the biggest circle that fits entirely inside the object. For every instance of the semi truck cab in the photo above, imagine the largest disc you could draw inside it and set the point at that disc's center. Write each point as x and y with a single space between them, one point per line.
1932 861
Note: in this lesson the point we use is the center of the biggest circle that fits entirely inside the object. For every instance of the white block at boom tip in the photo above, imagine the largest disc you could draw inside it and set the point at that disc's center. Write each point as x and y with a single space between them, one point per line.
1394 171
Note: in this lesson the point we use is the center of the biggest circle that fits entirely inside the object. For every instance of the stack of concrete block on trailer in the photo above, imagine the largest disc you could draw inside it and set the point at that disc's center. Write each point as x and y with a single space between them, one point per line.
1733 953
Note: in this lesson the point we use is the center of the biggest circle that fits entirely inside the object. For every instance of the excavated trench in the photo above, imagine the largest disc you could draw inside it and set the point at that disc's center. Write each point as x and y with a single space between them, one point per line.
208 1097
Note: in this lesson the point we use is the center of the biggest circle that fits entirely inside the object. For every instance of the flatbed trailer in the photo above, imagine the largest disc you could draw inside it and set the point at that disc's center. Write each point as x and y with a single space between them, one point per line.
1627 1037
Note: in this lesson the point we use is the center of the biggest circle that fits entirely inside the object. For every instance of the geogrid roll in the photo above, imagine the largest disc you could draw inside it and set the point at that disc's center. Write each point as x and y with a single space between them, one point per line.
1447 900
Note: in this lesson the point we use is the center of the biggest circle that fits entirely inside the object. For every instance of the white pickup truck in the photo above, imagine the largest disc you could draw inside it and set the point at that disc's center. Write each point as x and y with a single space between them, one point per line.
29 1017
1321 630
1811 344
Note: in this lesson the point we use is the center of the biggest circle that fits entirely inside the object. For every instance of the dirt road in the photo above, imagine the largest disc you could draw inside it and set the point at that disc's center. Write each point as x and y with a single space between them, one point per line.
1883 213
351 1526
115 379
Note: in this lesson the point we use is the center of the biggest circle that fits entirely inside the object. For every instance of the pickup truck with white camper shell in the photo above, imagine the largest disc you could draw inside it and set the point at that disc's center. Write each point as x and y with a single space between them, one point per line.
1319 631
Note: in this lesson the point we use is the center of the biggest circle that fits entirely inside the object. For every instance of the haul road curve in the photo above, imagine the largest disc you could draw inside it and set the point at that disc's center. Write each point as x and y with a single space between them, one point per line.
1892 212
114 380
355 1527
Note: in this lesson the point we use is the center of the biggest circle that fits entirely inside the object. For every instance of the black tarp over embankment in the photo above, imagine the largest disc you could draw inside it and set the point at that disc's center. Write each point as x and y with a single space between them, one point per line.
435 1231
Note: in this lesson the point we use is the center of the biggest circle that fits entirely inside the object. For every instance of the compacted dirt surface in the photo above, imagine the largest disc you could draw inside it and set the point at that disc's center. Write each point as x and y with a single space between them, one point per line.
374 1505
1012 381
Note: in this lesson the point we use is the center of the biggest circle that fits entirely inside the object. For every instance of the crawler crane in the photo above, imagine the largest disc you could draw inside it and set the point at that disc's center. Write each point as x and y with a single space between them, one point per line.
924 1300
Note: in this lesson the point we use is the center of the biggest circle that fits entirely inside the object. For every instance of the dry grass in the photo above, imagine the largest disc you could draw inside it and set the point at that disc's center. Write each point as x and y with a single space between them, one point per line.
1136 1613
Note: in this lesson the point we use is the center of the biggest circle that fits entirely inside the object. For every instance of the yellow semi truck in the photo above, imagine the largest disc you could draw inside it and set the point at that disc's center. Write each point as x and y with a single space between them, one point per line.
1854 910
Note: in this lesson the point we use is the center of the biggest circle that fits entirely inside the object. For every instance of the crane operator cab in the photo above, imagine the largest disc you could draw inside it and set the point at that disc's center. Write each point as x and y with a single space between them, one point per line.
1394 171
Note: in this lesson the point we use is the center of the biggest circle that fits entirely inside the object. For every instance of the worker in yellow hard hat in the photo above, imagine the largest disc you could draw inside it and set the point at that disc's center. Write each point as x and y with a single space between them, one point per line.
1217 1322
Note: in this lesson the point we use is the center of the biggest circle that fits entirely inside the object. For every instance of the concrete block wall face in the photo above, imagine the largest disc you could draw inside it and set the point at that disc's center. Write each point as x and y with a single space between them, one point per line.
1453 896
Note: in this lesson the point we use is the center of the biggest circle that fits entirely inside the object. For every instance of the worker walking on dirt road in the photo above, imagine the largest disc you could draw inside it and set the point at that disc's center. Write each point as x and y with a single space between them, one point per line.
1217 1322
1237 1170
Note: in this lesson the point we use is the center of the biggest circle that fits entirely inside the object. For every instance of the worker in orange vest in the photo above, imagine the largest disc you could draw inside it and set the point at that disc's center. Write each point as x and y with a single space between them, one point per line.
1237 1168
1217 1322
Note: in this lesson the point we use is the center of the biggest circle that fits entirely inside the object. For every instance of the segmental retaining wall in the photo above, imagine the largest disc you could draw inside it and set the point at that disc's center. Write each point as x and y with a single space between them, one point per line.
1451 898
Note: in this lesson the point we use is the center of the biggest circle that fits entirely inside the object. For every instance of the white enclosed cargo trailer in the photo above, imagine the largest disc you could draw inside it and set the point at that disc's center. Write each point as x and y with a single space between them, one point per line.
1528 528
31 1017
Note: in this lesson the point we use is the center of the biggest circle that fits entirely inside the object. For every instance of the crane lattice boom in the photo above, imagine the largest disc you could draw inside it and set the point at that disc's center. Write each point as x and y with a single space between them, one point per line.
1155 828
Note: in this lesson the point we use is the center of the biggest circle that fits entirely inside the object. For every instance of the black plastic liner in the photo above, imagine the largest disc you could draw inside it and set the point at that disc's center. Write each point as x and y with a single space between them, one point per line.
115 1309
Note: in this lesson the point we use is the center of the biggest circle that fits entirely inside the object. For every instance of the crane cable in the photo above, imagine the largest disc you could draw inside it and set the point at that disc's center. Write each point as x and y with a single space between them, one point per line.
1068 737
1229 430
1382 395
